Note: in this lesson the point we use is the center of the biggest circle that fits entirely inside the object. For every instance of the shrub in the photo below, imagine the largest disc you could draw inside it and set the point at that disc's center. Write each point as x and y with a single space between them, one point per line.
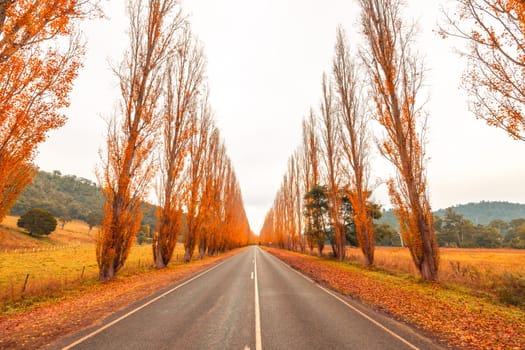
37 221
510 288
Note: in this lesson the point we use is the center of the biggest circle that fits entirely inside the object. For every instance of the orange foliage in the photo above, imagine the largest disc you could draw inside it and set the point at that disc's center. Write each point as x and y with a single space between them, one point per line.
332 160
128 165
354 143
184 78
214 208
194 175
283 223
495 77
36 80
397 77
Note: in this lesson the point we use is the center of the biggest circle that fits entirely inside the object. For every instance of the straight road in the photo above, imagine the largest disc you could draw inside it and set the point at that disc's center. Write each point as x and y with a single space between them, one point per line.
250 301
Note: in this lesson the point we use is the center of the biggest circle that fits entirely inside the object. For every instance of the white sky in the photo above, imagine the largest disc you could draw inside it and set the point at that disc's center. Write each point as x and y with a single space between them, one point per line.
265 62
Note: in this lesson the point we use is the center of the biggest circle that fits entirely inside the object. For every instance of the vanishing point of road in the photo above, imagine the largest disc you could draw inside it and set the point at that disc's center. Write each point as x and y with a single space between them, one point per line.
249 301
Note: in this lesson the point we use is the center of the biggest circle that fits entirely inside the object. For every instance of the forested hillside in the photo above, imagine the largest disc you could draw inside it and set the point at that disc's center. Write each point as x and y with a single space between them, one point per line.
484 212
484 224
68 197
480 213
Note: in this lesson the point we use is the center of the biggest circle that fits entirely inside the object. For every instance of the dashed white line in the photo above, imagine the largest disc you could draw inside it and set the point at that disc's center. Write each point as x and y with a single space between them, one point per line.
258 342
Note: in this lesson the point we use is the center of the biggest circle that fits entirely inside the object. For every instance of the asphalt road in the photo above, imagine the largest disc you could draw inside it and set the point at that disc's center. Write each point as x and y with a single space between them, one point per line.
250 301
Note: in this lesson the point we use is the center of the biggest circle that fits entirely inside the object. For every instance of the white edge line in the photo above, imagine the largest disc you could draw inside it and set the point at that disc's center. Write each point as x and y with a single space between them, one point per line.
378 324
81 340
258 342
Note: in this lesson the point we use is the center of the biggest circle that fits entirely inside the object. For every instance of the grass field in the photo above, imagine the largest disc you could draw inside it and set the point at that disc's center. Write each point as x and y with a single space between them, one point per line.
50 271
499 272
53 264
495 261
13 238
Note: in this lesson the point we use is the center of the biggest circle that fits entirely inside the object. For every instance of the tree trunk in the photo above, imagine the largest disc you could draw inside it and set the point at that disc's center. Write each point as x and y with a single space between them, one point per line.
188 253
202 250
429 259
106 273
159 261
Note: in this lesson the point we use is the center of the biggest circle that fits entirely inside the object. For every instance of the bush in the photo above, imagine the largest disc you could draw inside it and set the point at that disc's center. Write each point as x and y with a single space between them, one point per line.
510 288
37 221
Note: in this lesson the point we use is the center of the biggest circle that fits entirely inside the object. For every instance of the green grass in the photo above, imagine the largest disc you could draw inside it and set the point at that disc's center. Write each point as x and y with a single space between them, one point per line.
55 271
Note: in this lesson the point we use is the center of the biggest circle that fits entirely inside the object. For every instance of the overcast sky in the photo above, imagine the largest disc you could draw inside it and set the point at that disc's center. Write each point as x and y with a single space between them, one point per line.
265 63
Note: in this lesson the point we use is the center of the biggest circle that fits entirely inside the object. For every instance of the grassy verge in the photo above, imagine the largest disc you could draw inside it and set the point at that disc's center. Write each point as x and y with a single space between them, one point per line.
455 316
52 317
26 278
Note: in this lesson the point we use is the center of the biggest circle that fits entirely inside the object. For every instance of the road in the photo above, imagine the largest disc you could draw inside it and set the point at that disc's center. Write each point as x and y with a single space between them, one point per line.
250 301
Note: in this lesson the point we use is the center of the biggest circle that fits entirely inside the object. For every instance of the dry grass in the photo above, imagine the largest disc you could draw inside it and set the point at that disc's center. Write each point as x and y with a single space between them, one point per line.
492 261
52 271
64 260
499 272
13 238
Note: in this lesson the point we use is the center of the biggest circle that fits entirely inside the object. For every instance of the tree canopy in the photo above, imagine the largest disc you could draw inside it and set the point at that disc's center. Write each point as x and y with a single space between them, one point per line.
37 222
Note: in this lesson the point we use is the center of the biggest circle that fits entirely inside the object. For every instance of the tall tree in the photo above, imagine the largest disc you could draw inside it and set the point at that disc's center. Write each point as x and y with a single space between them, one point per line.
37 76
331 155
316 210
183 82
310 166
397 75
298 199
354 141
213 200
194 174
495 78
128 166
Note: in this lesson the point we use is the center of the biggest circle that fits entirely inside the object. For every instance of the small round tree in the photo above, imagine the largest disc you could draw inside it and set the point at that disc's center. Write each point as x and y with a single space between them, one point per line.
37 221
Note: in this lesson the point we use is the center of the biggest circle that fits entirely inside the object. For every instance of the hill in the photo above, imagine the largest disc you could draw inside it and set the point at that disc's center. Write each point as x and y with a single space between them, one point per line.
479 213
68 197
65 196
484 212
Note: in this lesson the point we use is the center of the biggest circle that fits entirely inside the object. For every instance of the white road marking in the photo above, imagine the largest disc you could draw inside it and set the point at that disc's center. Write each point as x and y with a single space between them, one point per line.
252 276
403 340
81 340
258 343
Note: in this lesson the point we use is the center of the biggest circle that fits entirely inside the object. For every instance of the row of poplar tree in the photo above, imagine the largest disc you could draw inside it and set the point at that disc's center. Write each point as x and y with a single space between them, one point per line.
164 133
162 136
334 157
327 184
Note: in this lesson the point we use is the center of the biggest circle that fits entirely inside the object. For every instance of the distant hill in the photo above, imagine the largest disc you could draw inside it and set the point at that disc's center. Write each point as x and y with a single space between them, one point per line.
484 212
61 195
479 213
67 196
